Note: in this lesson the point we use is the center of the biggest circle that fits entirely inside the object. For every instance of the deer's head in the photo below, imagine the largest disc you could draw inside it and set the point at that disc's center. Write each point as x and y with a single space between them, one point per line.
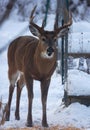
47 39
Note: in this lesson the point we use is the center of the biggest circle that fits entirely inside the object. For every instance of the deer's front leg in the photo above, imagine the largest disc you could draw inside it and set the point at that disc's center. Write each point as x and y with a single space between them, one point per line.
44 92
29 84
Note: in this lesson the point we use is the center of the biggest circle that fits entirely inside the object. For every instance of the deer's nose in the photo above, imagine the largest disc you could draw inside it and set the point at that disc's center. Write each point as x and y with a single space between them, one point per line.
50 50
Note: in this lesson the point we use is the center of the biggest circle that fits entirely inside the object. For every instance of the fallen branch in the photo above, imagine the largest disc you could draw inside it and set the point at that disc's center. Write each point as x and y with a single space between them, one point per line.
3 109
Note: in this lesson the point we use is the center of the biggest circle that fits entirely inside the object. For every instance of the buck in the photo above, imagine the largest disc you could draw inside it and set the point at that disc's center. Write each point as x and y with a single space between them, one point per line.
31 59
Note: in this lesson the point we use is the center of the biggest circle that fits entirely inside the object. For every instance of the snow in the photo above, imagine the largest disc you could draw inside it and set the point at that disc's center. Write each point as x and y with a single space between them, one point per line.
75 2
78 83
79 39
15 29
76 114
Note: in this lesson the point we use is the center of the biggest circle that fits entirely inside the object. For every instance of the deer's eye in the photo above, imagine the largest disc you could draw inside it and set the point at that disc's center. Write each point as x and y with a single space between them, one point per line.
43 39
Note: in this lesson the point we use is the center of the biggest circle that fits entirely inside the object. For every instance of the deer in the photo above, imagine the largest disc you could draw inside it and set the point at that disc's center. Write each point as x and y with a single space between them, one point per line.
33 58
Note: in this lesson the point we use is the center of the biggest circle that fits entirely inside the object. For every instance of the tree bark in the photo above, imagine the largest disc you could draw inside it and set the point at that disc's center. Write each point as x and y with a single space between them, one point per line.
88 2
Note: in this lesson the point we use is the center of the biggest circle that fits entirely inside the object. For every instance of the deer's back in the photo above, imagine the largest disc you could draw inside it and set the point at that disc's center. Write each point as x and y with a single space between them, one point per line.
19 49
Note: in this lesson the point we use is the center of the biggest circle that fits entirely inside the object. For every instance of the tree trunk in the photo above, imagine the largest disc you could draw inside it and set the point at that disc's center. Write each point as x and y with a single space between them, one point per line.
8 10
88 2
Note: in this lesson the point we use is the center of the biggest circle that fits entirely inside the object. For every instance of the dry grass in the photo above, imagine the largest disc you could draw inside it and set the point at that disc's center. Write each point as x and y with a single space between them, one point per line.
3 109
51 128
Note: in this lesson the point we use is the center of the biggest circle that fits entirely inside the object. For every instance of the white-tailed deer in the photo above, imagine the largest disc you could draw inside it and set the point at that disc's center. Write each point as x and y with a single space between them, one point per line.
32 58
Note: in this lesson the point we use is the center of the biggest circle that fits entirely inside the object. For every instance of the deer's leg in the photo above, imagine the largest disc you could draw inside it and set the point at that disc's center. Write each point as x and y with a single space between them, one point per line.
12 77
44 92
20 85
29 85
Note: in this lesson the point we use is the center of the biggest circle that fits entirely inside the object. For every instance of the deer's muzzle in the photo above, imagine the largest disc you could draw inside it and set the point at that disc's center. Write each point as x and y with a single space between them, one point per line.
50 50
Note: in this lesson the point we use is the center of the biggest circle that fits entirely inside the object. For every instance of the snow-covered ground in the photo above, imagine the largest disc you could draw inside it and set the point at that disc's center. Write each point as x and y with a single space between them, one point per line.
74 115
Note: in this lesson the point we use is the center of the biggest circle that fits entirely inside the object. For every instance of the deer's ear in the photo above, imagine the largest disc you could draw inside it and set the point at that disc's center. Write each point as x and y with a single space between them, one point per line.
34 31
63 32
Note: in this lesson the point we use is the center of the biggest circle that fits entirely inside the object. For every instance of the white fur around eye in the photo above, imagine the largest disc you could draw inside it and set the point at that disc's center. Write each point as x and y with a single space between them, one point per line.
45 55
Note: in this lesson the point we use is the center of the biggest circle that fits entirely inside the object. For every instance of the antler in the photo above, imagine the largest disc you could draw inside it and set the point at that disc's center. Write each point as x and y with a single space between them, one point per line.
31 20
57 30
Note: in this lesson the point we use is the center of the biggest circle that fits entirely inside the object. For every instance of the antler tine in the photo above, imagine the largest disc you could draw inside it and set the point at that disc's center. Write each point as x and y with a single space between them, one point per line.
43 23
56 22
32 17
33 12
69 22
66 24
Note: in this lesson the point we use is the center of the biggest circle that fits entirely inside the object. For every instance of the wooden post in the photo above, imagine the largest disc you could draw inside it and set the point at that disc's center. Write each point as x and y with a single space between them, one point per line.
62 17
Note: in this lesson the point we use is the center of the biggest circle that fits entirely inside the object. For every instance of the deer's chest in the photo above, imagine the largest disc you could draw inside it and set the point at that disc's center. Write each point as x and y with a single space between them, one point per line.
44 69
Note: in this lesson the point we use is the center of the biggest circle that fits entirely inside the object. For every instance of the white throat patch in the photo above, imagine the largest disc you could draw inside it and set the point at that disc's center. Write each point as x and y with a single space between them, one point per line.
46 56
